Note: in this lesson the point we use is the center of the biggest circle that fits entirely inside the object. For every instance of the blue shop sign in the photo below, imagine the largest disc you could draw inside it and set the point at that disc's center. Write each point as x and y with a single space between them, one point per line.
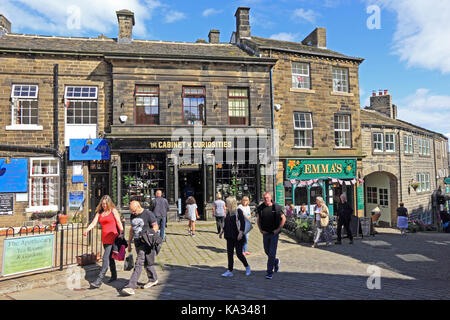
14 176
80 149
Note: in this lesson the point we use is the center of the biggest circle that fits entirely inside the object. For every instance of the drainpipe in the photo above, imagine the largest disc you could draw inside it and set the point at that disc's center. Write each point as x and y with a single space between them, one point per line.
273 131
435 219
400 166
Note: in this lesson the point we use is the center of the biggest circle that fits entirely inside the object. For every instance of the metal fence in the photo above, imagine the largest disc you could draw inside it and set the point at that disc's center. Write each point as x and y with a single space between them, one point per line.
69 243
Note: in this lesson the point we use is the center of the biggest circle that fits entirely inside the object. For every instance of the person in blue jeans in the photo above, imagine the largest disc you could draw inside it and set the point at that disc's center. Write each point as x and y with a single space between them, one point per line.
270 220
160 207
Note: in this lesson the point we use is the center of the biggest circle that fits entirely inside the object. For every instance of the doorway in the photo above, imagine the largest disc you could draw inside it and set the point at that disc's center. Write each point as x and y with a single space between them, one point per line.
99 187
190 184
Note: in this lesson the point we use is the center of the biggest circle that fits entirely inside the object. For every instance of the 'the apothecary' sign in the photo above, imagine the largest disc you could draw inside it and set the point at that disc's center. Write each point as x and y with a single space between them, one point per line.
305 169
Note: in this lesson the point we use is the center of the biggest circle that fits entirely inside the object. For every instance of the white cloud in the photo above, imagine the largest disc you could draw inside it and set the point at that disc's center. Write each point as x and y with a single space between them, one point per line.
308 15
284 36
173 16
425 109
210 12
421 36
51 17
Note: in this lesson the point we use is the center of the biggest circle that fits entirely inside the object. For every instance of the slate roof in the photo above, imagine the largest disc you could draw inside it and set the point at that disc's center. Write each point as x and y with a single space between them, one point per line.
265 43
372 117
110 47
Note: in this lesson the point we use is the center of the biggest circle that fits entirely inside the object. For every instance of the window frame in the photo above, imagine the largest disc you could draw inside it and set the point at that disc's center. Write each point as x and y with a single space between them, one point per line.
30 99
308 76
230 98
304 129
343 130
383 197
390 142
380 134
136 95
183 96
40 175
347 88
371 191
82 100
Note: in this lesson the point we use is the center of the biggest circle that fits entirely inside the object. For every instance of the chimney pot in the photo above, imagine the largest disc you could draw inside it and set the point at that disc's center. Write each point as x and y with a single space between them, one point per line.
385 92
374 93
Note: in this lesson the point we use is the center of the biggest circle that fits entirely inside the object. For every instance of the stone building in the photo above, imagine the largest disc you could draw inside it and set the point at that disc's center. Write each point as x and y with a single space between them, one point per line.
397 156
84 117
316 113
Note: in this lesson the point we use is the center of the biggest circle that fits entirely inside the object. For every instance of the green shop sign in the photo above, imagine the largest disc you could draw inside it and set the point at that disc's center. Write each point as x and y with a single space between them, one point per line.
23 254
447 180
306 169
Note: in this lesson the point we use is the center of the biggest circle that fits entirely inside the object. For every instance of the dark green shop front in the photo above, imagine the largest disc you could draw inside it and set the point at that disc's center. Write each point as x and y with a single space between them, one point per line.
307 179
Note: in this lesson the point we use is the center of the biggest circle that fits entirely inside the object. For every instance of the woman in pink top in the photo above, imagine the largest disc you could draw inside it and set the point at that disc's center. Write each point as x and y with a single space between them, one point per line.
109 218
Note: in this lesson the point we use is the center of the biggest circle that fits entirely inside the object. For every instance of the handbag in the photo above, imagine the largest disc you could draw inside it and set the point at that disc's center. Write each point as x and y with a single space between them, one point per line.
129 263
248 225
119 256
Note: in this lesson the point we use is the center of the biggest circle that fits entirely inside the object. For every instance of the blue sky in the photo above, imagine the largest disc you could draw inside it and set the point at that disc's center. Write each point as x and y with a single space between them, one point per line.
409 55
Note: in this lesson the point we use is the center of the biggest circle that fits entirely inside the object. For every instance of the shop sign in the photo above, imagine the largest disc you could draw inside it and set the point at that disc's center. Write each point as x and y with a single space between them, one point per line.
279 196
360 195
6 204
447 180
24 254
190 144
75 200
14 176
305 169
97 149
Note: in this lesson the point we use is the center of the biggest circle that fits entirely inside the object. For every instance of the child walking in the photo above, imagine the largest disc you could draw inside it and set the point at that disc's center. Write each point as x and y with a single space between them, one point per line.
191 214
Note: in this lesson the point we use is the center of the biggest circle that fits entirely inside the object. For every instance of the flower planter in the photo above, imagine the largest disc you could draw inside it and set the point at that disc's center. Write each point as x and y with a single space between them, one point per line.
63 218
298 234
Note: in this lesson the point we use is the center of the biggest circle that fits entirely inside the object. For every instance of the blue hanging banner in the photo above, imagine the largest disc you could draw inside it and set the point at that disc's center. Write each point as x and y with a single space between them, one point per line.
80 149
14 176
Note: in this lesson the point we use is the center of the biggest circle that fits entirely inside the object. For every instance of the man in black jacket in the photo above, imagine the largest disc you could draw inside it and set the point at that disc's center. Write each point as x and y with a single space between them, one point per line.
344 215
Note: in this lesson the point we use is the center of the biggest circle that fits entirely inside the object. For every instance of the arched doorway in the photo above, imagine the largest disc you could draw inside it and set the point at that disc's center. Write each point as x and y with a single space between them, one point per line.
381 189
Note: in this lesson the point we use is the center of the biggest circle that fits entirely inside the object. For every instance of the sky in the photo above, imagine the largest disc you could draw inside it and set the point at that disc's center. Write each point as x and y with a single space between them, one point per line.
404 42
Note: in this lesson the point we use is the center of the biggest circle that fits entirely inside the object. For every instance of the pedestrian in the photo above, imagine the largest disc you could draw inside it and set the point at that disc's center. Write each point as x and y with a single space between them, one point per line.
270 220
160 207
402 218
376 214
142 220
234 236
219 209
245 207
290 210
109 218
191 214
322 218
303 211
344 215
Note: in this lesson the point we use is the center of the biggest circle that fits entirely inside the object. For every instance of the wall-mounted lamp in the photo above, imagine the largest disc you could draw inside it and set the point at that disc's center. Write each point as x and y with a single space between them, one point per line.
8 160
169 104
89 142
122 105
259 106
215 105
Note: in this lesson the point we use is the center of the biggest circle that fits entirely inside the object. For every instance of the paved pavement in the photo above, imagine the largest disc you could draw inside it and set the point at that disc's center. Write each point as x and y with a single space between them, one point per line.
411 267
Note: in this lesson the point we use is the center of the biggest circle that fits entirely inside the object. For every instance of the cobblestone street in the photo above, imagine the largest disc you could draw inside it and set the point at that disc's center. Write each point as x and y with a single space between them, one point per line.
412 267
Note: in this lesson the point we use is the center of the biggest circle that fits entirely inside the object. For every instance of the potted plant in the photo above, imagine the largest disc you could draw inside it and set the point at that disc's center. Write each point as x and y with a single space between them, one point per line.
62 218
415 185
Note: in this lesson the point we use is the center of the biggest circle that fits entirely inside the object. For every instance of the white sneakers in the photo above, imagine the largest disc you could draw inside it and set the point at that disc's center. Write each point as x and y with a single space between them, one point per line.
150 284
247 271
128 291
227 274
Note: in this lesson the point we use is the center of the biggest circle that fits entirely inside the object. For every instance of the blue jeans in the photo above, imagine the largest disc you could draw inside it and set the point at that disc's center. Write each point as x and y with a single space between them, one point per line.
162 226
245 245
270 242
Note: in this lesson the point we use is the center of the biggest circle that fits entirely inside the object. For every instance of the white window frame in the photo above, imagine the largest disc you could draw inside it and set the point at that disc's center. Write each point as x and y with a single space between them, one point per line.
387 143
349 130
370 192
377 143
428 149
340 78
420 146
15 99
68 99
308 128
295 67
411 144
52 207
427 182
383 197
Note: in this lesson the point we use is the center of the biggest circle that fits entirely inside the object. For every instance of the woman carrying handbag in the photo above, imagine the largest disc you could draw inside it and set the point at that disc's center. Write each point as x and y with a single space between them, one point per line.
109 218
322 218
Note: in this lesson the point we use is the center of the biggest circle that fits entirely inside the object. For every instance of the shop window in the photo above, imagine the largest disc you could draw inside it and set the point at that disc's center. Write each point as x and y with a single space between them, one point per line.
147 104
142 175
81 103
194 105
384 197
342 133
236 180
378 142
300 75
24 105
340 79
238 106
372 196
303 130
44 182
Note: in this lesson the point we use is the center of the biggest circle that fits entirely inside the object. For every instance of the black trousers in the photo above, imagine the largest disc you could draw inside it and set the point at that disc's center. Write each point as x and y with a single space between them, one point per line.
231 245
219 223
345 222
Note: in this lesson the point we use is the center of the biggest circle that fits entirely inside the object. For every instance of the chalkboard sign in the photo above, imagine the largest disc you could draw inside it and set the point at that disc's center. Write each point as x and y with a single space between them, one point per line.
354 226
365 225
6 204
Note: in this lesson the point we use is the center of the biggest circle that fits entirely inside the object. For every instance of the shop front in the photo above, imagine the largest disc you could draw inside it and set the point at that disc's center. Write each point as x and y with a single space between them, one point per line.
307 179
181 169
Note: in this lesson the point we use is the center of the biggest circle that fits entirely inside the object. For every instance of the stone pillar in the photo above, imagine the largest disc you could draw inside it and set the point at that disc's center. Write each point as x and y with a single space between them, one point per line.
242 23
126 23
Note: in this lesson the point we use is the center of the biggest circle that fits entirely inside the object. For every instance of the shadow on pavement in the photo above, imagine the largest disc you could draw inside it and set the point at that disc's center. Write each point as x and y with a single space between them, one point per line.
214 249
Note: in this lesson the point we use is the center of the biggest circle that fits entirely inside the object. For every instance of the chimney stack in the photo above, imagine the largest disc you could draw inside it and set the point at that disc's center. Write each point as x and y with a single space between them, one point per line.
317 38
242 23
5 25
126 23
383 104
214 36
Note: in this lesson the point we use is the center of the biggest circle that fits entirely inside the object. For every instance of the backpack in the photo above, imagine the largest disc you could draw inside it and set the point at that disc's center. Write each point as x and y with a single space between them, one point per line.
248 225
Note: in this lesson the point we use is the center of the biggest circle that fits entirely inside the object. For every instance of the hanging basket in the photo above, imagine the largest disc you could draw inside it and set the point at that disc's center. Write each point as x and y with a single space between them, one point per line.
414 186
